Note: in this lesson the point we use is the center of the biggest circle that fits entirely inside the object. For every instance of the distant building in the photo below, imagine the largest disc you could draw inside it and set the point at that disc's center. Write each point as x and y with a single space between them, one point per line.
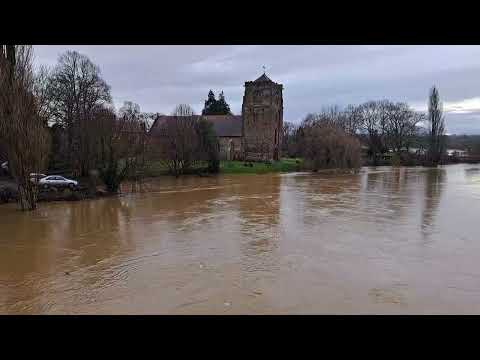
457 152
254 135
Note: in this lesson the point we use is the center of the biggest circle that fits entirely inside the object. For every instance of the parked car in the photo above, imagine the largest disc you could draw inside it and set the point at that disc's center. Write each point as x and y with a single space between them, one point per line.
35 178
57 181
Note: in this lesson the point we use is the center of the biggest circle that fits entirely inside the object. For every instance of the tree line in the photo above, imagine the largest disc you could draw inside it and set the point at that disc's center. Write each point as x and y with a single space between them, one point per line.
62 118
382 126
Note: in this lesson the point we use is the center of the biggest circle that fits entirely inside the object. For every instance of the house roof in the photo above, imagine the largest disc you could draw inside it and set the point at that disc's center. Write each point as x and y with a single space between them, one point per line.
224 125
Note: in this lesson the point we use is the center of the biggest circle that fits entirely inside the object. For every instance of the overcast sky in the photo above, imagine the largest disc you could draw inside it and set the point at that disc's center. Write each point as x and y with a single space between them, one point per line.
159 77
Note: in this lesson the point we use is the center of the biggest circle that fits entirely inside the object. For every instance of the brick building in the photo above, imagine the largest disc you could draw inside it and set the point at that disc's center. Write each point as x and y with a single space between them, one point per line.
254 135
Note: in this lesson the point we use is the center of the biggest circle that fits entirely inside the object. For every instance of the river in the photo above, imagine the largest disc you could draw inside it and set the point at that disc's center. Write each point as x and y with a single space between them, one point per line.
383 241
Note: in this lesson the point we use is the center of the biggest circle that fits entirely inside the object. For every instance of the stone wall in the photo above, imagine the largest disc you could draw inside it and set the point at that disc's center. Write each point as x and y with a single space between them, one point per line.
230 148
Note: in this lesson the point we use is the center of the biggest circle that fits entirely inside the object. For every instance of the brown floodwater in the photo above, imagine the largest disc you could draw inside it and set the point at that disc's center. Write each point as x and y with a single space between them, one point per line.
385 240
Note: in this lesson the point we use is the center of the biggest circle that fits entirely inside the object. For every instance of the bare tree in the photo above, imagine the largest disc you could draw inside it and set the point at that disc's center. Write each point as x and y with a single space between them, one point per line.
436 122
400 125
383 124
75 91
121 146
348 119
288 140
40 89
178 141
130 108
185 140
352 119
373 120
21 125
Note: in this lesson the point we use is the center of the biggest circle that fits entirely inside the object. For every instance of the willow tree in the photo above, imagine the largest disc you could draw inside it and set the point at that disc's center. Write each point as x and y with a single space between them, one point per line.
436 123
22 128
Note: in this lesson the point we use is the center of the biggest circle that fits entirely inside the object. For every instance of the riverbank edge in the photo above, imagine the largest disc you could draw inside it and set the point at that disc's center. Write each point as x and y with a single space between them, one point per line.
83 193
8 190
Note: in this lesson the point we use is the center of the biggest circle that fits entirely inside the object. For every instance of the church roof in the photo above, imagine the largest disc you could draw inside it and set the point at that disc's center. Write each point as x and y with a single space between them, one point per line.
224 125
263 78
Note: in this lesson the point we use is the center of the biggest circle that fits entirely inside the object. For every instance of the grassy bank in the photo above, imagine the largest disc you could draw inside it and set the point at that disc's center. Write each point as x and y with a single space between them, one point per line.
240 167
8 188
236 167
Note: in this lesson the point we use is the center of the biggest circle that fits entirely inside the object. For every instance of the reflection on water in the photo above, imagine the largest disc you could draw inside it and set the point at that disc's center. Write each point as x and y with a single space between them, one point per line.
434 182
290 243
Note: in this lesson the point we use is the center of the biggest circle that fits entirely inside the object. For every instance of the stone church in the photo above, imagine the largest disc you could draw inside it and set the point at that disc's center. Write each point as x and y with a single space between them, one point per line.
256 134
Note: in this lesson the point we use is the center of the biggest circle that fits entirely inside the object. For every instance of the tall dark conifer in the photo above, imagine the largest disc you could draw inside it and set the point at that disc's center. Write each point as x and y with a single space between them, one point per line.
209 103
214 106
222 107
436 122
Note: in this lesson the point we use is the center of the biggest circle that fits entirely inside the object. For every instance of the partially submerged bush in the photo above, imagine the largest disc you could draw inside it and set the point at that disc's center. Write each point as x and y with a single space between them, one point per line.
326 146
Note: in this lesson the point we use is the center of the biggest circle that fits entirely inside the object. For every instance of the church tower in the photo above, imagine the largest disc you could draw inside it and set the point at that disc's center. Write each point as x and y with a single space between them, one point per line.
262 115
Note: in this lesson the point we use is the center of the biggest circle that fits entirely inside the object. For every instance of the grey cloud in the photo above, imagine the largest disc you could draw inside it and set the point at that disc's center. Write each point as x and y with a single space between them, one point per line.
159 77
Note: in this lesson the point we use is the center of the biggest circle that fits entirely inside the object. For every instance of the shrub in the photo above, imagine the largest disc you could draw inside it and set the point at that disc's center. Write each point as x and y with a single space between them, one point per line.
208 145
326 146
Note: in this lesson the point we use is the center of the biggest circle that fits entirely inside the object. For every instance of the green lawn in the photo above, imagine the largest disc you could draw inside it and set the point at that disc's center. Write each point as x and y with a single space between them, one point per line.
238 167
156 168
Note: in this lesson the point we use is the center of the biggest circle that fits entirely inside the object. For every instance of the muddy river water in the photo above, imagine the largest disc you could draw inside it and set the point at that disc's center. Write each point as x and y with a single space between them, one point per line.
385 240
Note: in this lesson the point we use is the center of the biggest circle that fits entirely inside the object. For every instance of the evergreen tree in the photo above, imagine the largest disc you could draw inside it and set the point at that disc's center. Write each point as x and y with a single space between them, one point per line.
216 107
222 107
209 103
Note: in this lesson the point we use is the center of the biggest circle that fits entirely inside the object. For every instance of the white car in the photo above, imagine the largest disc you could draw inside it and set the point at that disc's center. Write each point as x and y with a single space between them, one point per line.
57 181
5 166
